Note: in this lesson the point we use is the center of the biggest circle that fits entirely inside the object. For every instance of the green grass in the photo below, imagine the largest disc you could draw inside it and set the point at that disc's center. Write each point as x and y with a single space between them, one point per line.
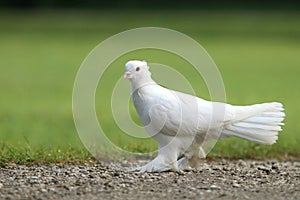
40 53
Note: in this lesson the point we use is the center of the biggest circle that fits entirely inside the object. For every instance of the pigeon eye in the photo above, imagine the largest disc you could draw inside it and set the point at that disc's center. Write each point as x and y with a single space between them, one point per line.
137 69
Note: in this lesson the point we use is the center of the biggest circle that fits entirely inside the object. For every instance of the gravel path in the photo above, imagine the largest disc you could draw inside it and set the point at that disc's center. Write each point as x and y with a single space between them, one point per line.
223 179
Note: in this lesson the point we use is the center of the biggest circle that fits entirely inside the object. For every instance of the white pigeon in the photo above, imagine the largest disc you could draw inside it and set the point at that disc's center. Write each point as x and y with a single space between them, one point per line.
180 122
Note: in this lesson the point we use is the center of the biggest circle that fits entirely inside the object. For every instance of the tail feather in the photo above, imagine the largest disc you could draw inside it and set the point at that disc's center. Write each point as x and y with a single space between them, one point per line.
259 123
265 120
272 114
262 140
258 126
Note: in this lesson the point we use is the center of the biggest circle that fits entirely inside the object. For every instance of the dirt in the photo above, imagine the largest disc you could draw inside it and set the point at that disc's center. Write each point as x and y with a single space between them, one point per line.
222 179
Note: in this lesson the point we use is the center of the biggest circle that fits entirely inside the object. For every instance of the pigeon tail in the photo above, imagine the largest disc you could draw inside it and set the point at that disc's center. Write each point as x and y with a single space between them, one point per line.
258 123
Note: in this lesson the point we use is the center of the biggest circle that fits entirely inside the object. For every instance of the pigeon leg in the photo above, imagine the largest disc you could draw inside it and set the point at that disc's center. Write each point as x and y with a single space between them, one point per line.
183 164
158 165
166 160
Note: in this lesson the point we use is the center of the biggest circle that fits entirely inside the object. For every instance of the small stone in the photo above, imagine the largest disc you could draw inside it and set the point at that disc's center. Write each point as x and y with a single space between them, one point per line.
215 187
116 174
263 168
128 181
242 163
275 166
236 185
43 190
283 173
180 172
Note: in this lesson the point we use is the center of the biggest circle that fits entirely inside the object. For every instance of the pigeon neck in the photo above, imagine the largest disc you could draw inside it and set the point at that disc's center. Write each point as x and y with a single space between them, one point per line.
138 84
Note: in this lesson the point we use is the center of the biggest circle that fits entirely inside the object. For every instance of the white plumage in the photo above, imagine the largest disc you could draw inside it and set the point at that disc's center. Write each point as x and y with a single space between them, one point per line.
181 122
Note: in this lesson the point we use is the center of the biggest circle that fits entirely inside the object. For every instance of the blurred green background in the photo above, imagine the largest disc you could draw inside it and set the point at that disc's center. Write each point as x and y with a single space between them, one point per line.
257 52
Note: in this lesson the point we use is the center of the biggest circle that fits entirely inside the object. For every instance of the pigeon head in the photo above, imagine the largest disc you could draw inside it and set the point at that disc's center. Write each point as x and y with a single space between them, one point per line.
137 70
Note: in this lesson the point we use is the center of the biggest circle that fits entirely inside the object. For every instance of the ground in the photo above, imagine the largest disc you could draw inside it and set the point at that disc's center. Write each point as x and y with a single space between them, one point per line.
221 179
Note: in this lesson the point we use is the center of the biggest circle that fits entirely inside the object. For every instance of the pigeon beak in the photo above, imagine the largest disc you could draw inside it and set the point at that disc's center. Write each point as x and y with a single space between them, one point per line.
127 75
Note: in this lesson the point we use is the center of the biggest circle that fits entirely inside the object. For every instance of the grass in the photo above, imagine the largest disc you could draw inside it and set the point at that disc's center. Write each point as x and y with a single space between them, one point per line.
40 53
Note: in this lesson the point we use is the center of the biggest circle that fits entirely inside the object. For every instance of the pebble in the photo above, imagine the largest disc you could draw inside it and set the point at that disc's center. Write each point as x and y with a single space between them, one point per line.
248 179
215 187
236 185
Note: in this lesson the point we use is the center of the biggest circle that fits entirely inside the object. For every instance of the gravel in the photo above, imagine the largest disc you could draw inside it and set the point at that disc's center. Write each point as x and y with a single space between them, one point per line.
222 179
